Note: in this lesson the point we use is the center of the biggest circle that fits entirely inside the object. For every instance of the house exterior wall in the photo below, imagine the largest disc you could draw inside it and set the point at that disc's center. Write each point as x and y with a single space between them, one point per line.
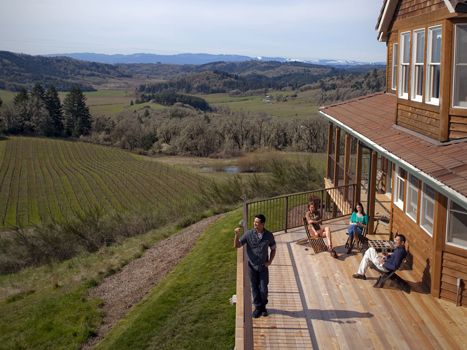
411 8
419 245
418 119
454 266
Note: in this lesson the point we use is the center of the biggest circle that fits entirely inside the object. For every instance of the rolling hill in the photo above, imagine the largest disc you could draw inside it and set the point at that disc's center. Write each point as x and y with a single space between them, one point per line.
44 179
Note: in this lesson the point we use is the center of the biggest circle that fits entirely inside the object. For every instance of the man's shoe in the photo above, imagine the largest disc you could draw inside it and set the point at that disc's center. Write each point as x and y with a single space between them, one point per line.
358 276
265 312
257 313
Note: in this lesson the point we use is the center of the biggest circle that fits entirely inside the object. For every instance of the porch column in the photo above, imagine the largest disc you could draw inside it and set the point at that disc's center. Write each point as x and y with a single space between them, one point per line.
336 157
347 150
358 173
372 190
329 150
439 236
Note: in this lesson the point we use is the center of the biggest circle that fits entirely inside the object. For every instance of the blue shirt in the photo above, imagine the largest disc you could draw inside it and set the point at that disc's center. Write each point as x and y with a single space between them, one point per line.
394 261
257 247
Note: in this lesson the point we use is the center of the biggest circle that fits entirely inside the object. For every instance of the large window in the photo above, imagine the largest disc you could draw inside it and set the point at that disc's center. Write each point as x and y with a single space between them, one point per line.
413 185
395 48
457 225
433 65
418 53
399 189
427 211
404 65
460 67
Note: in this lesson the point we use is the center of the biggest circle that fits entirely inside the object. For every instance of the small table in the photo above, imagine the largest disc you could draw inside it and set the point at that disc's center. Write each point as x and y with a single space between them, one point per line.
381 245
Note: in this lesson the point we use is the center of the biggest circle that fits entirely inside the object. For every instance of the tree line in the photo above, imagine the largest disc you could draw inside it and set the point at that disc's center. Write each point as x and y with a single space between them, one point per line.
221 133
40 112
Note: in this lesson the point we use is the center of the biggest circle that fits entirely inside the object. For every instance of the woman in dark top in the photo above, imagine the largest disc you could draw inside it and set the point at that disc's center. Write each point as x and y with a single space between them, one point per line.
313 218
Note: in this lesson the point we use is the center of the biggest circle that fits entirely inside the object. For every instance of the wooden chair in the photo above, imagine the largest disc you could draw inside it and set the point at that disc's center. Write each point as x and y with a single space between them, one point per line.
360 242
391 275
316 243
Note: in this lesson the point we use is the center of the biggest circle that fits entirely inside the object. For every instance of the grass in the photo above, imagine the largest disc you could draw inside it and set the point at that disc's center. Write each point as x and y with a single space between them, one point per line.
46 179
303 106
7 96
49 308
190 309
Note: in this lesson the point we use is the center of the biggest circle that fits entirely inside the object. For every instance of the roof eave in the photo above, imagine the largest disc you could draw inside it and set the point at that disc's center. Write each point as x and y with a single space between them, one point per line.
428 179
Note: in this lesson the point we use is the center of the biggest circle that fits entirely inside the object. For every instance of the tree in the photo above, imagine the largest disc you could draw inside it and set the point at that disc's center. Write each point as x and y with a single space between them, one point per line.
19 119
1 102
54 108
77 119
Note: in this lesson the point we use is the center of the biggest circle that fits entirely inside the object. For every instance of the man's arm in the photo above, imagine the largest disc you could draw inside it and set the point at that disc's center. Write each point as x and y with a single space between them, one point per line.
271 257
236 242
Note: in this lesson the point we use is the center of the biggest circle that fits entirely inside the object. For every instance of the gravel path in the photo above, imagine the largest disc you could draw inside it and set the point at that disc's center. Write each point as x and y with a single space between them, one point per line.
127 287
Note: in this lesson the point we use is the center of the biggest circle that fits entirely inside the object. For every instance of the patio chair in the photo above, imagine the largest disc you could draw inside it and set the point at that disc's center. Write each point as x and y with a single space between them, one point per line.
359 242
316 243
392 275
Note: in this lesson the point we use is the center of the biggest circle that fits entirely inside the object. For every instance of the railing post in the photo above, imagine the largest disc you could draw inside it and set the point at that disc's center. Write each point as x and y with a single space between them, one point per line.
248 321
286 213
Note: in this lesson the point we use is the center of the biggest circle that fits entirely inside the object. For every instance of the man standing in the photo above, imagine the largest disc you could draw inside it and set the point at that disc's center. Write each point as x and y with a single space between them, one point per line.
382 262
258 241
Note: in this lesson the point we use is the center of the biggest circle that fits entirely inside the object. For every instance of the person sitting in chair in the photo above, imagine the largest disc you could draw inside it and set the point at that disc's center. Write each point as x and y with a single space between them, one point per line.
313 218
358 222
384 263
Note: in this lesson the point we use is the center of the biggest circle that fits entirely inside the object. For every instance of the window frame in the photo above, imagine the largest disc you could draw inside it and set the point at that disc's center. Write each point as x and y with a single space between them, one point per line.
454 66
413 93
401 94
398 180
448 218
395 65
425 197
416 190
429 76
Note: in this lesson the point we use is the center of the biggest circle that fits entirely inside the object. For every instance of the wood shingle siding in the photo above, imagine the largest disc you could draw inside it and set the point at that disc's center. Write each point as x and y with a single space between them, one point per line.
454 266
412 8
419 244
422 121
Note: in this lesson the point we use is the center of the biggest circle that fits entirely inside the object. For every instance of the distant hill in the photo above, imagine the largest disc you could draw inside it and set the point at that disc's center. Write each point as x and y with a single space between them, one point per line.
200 58
18 70
184 58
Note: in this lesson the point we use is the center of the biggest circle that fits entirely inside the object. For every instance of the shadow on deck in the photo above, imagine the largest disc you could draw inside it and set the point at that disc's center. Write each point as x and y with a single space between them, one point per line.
315 303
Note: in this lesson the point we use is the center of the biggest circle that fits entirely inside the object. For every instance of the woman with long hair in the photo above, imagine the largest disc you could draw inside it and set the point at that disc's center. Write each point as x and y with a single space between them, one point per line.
313 218
358 222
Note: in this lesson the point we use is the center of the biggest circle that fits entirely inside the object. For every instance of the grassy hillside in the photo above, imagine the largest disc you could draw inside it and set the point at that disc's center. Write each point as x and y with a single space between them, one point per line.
190 309
49 307
43 179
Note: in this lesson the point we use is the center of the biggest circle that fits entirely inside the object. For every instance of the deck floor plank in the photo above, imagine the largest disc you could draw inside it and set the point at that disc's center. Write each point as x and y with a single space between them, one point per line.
315 302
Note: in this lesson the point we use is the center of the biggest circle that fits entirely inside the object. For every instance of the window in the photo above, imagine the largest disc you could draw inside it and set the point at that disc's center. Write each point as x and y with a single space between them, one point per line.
412 197
427 210
395 47
399 181
433 65
418 54
457 225
460 67
404 65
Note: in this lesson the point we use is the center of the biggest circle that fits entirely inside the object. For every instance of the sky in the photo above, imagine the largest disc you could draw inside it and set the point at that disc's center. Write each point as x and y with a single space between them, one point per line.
297 29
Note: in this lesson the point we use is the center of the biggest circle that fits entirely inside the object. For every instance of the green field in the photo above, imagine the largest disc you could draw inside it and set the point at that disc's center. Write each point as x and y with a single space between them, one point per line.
43 179
302 106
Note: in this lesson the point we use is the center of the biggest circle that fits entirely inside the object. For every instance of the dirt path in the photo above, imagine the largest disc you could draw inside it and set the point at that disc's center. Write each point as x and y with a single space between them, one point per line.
127 287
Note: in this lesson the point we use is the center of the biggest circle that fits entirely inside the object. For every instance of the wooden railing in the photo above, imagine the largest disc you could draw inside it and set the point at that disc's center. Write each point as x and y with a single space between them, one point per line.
282 213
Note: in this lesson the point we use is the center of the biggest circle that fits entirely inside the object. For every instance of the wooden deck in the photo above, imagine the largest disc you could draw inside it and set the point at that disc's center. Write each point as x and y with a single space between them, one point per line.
315 303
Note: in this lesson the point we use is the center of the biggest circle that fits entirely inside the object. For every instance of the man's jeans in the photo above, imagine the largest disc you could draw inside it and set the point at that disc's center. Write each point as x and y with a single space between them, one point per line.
259 279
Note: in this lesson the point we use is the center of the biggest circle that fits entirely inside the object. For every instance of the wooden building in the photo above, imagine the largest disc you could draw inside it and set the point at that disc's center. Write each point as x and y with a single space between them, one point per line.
410 142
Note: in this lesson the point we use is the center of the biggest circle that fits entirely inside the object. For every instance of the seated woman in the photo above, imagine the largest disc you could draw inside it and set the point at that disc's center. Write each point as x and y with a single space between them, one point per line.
358 221
313 218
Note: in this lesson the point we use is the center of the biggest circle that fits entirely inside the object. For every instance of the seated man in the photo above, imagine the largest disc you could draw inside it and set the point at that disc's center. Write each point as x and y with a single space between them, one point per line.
384 263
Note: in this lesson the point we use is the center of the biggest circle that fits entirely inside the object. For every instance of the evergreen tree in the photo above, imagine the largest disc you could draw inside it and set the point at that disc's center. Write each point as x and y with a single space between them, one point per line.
40 123
20 119
54 108
38 91
1 101
77 119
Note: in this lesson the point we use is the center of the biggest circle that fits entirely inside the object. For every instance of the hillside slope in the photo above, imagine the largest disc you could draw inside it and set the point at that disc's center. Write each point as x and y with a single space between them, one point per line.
44 179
